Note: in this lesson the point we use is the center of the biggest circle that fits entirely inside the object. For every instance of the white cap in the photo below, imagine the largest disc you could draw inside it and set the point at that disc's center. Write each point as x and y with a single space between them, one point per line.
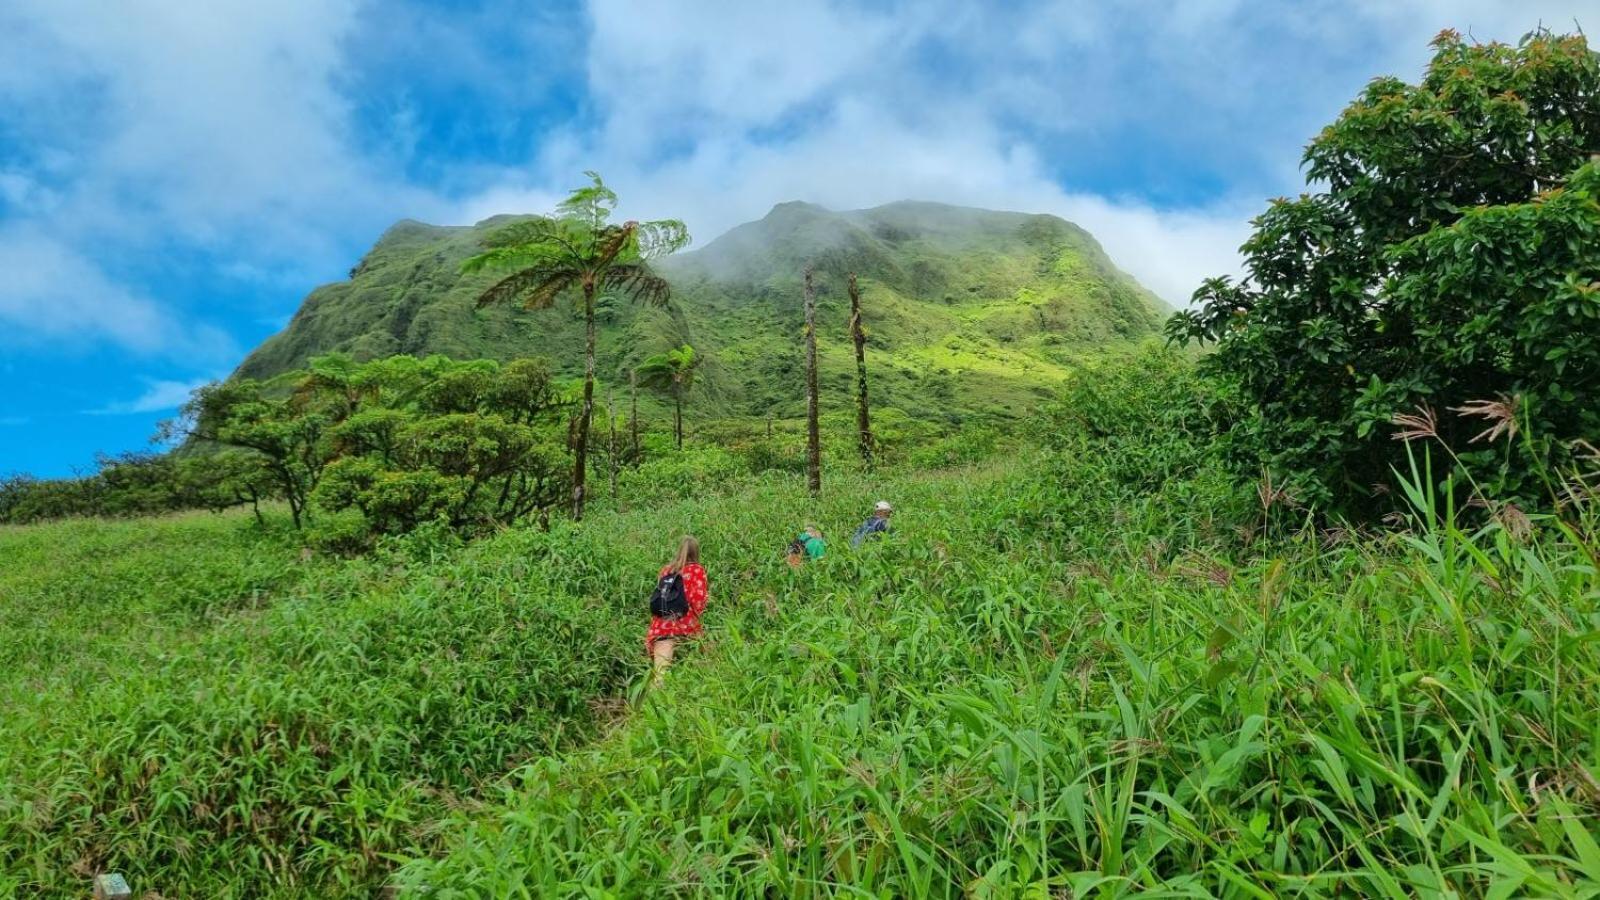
883 506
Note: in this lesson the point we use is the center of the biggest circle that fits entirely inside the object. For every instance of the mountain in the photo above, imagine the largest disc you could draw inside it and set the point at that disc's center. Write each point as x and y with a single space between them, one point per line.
968 311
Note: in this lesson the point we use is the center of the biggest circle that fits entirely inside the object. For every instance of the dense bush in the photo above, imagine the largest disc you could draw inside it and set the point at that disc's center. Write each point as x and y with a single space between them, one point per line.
1448 260
138 484
1137 442
968 444
974 707
385 446
1057 674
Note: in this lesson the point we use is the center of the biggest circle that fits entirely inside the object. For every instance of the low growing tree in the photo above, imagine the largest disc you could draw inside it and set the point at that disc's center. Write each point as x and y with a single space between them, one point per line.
286 431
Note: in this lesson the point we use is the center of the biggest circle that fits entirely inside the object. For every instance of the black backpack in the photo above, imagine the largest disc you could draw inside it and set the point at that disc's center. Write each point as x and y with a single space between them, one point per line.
668 601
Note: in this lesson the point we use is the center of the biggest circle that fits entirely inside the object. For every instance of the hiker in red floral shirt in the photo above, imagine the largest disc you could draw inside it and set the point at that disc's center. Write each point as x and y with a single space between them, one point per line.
676 605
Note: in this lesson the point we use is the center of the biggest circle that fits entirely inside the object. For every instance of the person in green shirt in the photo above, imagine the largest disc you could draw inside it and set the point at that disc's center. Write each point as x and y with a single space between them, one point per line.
807 545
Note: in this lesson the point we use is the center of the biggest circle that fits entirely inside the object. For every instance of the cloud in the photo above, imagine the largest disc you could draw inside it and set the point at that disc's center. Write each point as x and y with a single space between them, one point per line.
1160 127
165 128
159 396
1169 251
51 291
717 117
273 141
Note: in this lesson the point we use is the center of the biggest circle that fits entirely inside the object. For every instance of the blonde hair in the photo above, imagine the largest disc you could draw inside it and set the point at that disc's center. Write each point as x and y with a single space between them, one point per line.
688 552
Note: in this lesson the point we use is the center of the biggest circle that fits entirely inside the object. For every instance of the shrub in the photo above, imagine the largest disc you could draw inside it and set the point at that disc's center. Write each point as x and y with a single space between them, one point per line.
1135 441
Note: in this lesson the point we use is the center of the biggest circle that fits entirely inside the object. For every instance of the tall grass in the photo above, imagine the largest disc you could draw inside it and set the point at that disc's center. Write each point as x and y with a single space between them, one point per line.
974 707
1031 688
189 703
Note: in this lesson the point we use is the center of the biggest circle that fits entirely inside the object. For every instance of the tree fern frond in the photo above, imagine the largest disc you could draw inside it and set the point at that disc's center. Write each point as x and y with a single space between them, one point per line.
640 284
658 238
591 205
521 256
614 243
537 288
528 231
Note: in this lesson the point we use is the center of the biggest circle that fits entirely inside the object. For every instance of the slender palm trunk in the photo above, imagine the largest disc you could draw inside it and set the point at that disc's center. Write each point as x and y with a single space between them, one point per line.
580 466
677 414
813 436
633 417
859 337
611 443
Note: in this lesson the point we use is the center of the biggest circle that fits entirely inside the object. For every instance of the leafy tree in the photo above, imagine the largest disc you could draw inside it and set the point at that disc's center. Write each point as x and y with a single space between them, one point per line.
671 373
1442 261
140 484
578 249
286 432
1504 309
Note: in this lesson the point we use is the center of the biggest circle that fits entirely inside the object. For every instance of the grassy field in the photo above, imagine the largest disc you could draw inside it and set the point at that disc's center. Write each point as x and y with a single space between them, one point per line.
189 702
1017 694
1006 700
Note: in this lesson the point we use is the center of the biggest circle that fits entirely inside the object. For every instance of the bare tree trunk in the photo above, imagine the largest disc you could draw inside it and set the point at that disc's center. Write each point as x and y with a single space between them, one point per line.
859 337
633 417
813 437
611 443
580 466
677 417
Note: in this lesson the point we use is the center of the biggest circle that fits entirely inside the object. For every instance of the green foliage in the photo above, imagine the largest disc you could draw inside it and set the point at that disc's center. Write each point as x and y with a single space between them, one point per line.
188 703
1063 671
1448 260
382 447
981 706
671 373
971 444
1505 305
693 471
138 484
1133 441
578 250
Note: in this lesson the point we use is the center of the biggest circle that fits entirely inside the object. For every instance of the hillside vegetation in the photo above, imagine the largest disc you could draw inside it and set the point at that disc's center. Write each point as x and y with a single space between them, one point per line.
1044 680
971 312
1314 614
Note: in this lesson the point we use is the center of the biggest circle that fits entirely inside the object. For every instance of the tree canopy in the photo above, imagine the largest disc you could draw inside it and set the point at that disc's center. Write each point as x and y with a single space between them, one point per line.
385 446
1445 260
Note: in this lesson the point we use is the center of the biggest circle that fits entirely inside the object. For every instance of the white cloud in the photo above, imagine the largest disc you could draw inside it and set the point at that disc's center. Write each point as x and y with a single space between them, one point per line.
1169 251
713 112
52 292
216 127
866 137
230 126
159 396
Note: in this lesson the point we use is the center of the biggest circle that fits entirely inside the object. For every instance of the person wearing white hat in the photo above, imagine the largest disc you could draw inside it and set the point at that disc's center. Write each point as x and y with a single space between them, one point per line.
878 524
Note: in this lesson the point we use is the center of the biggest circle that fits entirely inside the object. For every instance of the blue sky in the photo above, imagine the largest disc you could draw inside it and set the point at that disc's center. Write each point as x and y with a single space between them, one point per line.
176 176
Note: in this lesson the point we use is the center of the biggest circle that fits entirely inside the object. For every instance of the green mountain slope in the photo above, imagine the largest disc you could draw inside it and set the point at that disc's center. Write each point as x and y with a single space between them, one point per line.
969 311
